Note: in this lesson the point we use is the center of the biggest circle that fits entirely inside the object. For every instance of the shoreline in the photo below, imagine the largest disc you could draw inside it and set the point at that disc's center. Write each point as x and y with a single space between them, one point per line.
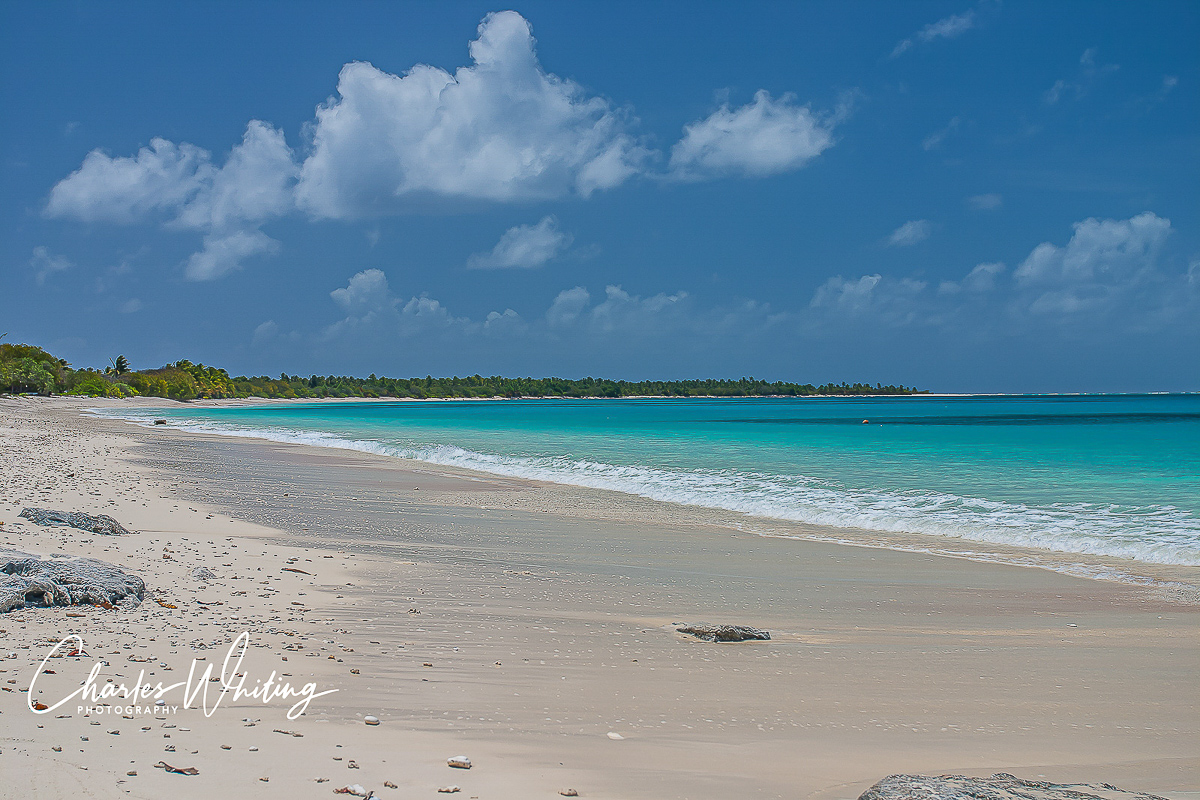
1180 580
547 614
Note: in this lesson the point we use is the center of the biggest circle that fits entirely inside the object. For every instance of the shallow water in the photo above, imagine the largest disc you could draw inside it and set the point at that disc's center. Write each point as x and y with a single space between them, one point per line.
1115 475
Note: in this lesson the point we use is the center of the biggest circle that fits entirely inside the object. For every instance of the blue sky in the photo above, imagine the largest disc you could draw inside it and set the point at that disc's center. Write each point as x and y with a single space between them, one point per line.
968 197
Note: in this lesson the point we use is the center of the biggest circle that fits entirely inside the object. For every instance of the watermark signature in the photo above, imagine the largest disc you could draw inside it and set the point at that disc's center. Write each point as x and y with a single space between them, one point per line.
143 697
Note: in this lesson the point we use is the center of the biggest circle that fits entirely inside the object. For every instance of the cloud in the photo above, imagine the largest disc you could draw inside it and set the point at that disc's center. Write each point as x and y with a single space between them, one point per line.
985 202
875 298
950 27
46 264
619 311
254 185
1103 260
1109 277
980 279
837 292
161 177
764 137
372 310
1089 73
222 254
507 323
265 332
181 185
524 246
935 139
366 290
131 306
501 129
567 306
910 233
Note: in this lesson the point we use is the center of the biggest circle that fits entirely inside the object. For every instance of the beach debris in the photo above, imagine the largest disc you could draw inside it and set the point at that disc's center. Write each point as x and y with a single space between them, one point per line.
371 720
449 789
390 785
99 523
203 574
289 733
568 793
458 762
723 633
1000 786
354 789
160 422
177 770
293 569
26 580
164 603
615 736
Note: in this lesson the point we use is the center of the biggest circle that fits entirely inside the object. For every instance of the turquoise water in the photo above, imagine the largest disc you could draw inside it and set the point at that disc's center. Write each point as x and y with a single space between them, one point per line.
1114 475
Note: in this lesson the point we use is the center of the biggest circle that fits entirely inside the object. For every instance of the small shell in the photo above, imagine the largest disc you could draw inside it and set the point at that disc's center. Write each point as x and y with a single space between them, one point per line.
371 720
613 735
460 762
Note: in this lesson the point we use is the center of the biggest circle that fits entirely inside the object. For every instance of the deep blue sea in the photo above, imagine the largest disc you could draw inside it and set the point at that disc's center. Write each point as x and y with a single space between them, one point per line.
1115 475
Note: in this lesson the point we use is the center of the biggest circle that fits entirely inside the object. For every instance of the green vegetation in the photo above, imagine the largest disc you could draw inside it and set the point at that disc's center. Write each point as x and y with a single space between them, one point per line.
26 368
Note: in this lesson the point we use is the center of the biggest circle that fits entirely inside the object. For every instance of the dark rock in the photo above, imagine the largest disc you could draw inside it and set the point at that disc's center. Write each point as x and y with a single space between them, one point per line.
1000 786
99 523
27 580
160 422
723 633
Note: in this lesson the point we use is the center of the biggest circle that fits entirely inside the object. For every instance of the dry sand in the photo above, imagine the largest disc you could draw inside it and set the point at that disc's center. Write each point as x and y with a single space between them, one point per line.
546 614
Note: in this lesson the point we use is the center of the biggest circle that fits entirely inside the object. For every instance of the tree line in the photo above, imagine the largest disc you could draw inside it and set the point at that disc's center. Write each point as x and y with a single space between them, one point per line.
26 368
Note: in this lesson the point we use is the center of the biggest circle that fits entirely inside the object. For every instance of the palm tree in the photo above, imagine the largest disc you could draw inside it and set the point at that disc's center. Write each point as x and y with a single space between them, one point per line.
119 366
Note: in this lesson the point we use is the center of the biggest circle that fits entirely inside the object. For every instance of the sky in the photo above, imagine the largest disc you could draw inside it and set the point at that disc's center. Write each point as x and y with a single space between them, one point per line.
966 197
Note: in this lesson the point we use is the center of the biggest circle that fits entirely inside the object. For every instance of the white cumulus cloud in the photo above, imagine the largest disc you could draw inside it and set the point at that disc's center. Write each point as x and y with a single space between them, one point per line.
1106 250
161 177
1103 260
761 138
524 246
365 291
499 129
181 184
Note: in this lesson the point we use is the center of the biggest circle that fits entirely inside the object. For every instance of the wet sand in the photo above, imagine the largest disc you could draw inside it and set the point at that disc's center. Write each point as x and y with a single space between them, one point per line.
547 614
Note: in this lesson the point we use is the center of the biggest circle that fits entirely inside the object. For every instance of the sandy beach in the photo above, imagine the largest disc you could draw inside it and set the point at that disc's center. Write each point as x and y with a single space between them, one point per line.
531 627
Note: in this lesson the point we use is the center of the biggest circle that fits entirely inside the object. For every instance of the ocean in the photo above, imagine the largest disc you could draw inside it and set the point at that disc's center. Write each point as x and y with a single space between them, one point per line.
1109 475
